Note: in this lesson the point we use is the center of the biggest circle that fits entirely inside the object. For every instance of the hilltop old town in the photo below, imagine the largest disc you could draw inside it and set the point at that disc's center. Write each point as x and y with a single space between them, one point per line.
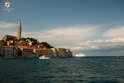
20 47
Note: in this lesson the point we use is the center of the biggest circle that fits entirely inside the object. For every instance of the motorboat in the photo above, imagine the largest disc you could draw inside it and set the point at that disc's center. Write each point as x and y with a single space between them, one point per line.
44 57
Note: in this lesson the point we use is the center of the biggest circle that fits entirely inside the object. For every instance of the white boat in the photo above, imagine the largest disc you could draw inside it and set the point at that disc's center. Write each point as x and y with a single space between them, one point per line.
80 55
44 57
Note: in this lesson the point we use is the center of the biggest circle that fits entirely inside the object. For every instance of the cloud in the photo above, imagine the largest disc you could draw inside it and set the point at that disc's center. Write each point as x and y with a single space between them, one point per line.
65 36
115 32
6 25
7 28
73 31
100 44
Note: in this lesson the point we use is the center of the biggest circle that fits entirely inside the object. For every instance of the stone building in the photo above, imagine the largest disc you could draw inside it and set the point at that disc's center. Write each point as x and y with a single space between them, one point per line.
26 52
1 51
42 51
9 52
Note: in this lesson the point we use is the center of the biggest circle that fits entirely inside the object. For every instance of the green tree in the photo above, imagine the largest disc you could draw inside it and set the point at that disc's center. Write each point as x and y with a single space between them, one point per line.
45 44
33 40
2 41
24 39
8 39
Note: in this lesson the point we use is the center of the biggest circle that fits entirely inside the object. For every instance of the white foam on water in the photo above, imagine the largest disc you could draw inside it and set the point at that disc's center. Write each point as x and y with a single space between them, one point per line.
80 55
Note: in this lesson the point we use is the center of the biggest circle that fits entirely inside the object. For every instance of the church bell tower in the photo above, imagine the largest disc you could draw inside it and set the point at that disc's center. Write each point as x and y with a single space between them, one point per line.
19 29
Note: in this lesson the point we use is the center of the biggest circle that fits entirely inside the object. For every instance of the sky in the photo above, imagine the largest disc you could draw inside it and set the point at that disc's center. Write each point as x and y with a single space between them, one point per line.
88 26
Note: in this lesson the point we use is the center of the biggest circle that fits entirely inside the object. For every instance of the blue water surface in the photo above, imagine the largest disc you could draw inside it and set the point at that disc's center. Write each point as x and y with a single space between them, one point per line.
63 70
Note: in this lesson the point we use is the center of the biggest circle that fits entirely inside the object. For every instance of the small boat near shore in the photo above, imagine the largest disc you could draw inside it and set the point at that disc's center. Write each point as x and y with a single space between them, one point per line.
44 57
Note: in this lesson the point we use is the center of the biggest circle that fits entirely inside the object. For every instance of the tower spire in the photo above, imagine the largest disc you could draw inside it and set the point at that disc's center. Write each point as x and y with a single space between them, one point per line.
19 28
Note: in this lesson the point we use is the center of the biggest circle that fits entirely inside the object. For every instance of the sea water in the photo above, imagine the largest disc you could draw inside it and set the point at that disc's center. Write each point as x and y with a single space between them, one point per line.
63 70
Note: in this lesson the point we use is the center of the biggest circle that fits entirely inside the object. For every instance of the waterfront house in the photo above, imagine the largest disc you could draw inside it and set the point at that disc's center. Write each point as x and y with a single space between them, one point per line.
62 52
68 53
10 43
1 51
9 37
22 43
27 52
9 52
55 52
43 51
